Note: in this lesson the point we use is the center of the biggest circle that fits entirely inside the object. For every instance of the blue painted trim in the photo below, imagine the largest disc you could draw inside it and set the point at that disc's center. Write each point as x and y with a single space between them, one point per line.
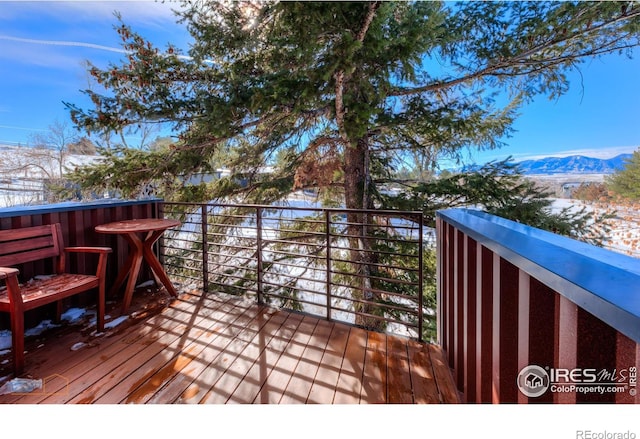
604 283
42 209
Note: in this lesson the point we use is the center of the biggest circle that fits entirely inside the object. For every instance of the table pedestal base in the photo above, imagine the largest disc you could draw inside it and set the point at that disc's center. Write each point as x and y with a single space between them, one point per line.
141 249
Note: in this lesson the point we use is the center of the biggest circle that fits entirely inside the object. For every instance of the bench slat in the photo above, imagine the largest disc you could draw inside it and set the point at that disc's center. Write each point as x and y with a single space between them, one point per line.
10 247
42 292
24 233
18 246
28 256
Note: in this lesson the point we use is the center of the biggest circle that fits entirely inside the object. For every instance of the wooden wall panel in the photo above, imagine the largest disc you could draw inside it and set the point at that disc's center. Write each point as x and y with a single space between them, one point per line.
484 322
470 311
459 307
498 318
78 221
542 337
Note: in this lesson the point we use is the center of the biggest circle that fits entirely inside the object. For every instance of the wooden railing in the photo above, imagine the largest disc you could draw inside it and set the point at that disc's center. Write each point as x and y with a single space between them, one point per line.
528 316
78 220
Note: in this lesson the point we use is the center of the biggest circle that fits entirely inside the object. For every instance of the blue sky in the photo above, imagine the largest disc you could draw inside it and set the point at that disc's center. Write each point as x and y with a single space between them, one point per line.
44 45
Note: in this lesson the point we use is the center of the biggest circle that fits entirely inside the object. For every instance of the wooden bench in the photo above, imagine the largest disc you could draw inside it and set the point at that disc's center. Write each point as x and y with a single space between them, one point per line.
30 244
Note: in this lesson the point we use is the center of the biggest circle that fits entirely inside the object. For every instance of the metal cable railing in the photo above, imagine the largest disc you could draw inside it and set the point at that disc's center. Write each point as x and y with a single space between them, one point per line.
363 267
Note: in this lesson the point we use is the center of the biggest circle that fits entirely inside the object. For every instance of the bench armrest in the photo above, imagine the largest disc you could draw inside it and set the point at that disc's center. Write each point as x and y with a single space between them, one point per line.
10 276
88 249
102 260
6 272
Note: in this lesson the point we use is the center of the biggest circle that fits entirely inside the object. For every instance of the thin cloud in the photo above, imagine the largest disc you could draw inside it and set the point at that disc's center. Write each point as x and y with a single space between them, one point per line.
27 61
137 11
62 43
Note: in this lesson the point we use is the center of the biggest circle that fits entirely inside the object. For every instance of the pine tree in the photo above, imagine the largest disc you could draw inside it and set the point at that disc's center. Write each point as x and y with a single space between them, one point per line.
341 87
337 91
626 182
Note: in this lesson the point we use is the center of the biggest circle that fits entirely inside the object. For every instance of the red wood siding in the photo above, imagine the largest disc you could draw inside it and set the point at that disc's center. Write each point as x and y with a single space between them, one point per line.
497 317
78 221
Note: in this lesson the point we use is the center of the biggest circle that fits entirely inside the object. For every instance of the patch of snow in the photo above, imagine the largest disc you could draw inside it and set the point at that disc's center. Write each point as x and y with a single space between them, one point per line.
5 335
43 326
73 315
148 283
78 346
5 341
20 385
116 322
624 234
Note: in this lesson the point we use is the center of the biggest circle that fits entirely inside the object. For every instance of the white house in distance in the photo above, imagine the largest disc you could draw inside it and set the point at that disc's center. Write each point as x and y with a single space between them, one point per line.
24 170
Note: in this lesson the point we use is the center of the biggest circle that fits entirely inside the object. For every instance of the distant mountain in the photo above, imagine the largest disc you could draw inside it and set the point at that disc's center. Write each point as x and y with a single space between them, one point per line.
575 164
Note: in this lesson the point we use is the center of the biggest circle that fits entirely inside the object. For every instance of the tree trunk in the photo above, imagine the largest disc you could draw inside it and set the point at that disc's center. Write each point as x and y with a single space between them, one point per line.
356 181
355 170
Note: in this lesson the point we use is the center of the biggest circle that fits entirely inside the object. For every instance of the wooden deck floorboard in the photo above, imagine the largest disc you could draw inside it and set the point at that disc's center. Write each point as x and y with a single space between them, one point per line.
219 349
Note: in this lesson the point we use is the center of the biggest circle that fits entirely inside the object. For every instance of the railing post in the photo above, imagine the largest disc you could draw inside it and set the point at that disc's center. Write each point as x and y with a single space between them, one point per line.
328 260
440 305
259 254
205 248
420 277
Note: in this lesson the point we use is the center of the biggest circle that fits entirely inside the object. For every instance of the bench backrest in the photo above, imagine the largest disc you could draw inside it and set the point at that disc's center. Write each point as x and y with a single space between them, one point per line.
29 244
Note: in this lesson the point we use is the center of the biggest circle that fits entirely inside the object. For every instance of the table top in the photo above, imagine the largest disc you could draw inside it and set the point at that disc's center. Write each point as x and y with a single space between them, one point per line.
137 225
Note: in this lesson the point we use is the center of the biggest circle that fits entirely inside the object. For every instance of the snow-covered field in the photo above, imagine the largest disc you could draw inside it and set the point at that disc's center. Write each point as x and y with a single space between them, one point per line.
19 192
624 236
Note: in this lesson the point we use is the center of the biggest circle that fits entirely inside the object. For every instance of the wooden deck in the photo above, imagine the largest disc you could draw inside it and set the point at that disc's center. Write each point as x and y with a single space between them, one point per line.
220 349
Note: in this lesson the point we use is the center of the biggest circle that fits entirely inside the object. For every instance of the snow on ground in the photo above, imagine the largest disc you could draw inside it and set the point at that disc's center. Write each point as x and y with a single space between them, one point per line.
115 322
71 316
624 236
5 341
